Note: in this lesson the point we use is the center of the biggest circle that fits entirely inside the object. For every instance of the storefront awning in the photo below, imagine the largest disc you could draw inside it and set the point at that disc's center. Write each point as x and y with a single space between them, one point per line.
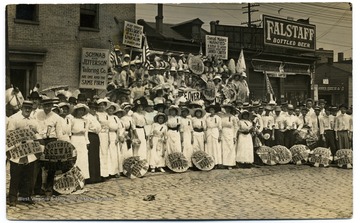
280 68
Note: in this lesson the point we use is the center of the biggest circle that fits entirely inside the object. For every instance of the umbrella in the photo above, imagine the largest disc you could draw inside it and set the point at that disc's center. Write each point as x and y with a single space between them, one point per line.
300 154
134 167
283 154
162 86
267 155
177 162
55 88
202 160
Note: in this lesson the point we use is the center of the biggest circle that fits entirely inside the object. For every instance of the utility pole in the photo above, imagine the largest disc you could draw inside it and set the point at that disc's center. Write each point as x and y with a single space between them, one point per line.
249 11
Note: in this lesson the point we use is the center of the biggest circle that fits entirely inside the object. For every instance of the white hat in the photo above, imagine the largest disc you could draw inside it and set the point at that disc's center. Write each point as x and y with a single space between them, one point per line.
243 74
124 64
126 56
103 100
132 62
81 105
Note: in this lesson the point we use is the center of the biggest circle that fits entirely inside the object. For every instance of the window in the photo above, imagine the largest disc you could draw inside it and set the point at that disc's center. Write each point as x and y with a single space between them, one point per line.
27 12
89 16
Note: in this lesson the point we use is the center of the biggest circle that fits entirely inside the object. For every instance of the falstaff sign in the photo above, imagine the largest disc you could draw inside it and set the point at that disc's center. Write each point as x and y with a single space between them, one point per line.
286 33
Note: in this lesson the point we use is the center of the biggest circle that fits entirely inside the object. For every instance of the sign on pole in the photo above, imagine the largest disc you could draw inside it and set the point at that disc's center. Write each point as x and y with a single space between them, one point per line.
286 33
94 68
132 34
217 46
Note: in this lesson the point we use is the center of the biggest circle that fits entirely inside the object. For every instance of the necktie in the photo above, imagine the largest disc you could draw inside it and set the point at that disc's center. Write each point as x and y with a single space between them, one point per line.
318 122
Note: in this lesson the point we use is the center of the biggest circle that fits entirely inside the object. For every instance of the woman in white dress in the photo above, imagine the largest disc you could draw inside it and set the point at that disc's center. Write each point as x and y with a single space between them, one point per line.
103 118
228 142
79 138
139 133
244 147
127 120
114 154
157 141
173 133
122 135
199 127
213 133
186 133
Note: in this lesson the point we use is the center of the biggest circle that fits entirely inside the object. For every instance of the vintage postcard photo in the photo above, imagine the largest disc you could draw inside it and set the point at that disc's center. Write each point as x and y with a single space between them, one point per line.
190 111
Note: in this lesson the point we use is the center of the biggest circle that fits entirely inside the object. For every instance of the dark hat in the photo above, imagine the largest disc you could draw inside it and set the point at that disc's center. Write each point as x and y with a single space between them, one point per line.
309 99
317 108
228 106
27 104
159 105
72 100
92 104
343 106
185 109
216 107
160 115
34 95
304 108
321 100
61 95
173 107
284 103
81 97
203 112
140 102
243 113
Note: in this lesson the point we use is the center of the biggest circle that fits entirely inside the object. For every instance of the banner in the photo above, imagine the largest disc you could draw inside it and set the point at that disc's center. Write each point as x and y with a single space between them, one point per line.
193 95
132 34
286 33
216 46
94 68
69 182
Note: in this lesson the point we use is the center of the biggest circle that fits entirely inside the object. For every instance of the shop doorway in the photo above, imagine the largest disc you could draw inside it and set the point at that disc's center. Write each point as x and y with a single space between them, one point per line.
22 78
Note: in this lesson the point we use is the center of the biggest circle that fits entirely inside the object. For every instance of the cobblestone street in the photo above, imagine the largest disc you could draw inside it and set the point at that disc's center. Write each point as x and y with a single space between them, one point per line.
268 192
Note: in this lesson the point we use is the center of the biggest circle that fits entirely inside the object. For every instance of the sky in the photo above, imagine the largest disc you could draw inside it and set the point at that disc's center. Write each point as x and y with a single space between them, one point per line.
333 20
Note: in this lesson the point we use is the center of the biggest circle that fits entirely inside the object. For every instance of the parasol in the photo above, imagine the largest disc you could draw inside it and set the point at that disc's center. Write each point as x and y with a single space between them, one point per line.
177 162
300 154
267 155
55 88
69 182
282 153
203 161
320 157
162 86
344 158
134 167
59 155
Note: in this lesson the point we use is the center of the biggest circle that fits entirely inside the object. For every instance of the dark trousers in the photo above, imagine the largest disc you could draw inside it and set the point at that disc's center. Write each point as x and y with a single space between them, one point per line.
268 142
94 158
38 174
21 176
289 138
330 141
343 141
279 137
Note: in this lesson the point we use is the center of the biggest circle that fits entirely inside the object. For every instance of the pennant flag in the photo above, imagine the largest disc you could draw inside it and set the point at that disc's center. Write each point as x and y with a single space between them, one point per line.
241 66
146 54
269 88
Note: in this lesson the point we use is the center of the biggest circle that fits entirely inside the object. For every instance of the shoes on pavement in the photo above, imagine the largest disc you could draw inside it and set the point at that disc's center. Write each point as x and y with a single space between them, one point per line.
28 200
162 170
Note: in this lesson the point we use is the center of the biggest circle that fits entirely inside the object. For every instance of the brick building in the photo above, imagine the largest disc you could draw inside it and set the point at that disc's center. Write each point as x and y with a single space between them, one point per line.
44 41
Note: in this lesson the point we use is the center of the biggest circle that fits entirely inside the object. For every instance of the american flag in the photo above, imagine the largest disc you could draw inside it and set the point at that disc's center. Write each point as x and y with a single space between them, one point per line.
269 88
146 54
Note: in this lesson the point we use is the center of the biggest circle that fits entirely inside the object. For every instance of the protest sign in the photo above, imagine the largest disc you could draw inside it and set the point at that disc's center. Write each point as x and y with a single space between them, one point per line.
217 46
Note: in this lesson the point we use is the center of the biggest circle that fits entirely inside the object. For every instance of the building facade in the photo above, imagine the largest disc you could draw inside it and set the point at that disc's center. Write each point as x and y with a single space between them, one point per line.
44 41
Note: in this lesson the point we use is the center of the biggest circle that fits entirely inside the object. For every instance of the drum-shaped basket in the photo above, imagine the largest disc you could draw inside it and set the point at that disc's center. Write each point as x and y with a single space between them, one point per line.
134 167
69 182
344 158
203 161
300 154
177 162
267 155
283 154
320 157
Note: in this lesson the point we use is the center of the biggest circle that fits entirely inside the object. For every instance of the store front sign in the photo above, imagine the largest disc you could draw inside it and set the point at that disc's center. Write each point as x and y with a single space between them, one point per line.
331 88
94 68
285 33
217 46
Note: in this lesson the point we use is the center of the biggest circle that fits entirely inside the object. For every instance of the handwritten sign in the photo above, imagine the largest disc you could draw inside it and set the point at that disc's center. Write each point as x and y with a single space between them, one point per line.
21 150
69 182
94 68
59 151
132 34
217 46
286 33
18 136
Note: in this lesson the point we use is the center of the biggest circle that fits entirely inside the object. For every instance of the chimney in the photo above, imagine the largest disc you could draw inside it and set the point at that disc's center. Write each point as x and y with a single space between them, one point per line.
340 57
213 27
330 60
159 19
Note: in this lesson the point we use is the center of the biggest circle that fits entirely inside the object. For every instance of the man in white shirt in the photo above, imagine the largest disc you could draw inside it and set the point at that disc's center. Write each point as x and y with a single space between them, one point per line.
280 127
342 128
327 133
293 125
22 169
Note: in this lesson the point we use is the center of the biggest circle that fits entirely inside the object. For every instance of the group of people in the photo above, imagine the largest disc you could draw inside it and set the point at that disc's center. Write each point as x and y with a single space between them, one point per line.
152 122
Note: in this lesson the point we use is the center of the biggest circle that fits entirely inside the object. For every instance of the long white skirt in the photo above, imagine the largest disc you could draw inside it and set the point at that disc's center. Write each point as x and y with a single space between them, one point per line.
212 146
114 155
156 153
198 144
104 147
141 150
244 149
173 142
79 142
187 146
228 147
